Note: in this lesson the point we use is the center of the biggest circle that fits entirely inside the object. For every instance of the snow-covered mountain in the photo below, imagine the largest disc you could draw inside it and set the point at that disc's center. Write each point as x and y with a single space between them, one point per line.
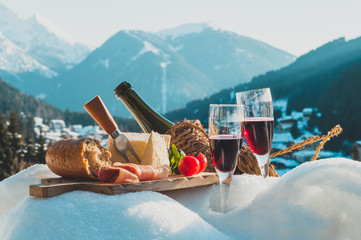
15 60
185 29
43 41
165 74
225 57
160 75
168 69
21 70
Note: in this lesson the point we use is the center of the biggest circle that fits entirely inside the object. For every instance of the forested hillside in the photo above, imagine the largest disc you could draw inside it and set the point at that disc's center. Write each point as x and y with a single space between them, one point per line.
11 99
20 147
327 78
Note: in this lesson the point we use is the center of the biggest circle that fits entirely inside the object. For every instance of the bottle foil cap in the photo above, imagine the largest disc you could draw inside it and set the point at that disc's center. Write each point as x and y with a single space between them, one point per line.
122 89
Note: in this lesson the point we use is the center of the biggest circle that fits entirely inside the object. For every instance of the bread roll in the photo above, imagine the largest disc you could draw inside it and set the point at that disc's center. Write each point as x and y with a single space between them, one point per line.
77 158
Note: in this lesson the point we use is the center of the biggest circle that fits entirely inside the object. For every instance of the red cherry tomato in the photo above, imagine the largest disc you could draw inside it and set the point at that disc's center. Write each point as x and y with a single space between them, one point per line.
202 161
188 166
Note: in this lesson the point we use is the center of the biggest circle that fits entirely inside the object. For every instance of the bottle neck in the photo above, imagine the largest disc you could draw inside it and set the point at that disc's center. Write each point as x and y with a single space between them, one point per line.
147 118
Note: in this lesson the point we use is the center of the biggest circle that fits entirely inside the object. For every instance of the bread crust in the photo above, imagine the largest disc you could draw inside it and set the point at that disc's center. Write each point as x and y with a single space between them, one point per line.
69 158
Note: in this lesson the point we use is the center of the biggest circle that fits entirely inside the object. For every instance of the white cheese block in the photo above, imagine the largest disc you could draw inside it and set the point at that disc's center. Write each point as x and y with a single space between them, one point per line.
156 151
139 143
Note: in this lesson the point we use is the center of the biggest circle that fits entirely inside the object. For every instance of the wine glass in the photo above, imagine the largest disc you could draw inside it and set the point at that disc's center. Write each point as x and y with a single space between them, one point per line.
225 136
258 124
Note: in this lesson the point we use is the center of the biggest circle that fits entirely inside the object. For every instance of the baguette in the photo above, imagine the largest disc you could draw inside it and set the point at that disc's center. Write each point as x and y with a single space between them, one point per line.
77 158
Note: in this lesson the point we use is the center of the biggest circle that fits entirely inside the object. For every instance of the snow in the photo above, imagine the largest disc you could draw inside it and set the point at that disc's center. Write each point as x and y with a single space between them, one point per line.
305 135
279 146
316 200
232 96
148 47
186 29
41 96
15 188
163 65
15 60
38 37
280 104
175 49
306 155
285 137
239 50
105 63
296 115
289 163
54 29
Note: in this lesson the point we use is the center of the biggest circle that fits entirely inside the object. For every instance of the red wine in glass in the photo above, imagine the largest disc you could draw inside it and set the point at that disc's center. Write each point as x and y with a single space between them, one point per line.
225 137
259 134
225 151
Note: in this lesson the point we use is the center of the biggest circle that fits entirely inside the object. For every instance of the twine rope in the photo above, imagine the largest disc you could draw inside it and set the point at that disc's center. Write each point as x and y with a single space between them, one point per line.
334 132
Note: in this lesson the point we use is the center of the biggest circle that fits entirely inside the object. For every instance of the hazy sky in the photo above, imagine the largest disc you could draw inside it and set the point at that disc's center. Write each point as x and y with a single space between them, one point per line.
296 26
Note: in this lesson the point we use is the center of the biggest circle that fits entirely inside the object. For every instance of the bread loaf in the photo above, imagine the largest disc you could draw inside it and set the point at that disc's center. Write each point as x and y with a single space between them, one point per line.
77 158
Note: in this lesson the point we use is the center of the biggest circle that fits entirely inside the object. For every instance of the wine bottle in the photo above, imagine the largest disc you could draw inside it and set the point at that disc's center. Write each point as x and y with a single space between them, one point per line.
147 118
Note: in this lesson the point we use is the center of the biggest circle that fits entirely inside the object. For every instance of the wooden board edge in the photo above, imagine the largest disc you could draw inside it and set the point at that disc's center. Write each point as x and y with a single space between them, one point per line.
56 186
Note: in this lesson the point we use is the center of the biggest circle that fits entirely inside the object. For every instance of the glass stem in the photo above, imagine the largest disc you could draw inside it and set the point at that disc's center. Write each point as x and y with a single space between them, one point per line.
224 196
262 162
224 184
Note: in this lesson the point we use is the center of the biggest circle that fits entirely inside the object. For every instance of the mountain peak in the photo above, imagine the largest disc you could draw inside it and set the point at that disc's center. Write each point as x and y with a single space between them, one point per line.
39 19
186 29
38 37
15 60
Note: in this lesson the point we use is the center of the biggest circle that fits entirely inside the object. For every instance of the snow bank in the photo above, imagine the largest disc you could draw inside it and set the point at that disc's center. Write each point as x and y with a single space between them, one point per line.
16 188
318 200
86 215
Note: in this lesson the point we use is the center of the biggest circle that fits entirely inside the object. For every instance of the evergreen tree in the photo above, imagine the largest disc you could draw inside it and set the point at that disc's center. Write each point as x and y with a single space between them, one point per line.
22 125
14 140
314 121
6 163
355 152
30 125
295 131
30 153
41 149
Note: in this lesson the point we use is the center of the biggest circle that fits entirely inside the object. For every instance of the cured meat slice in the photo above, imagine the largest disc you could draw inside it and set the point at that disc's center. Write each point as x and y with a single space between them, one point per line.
145 172
130 173
117 175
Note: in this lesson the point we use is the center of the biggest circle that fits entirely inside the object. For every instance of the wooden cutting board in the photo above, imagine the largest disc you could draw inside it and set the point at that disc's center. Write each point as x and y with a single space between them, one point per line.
50 187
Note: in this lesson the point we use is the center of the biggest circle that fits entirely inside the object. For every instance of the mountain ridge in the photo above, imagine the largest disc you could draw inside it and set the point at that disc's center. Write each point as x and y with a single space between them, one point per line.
137 53
40 41
329 83
224 56
166 78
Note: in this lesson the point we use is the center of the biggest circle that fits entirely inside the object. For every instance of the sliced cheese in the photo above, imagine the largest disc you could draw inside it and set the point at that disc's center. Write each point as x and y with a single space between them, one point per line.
156 152
139 143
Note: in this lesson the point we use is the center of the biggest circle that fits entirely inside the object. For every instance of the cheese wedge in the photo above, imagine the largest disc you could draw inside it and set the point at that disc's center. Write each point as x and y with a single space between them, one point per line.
156 152
139 143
